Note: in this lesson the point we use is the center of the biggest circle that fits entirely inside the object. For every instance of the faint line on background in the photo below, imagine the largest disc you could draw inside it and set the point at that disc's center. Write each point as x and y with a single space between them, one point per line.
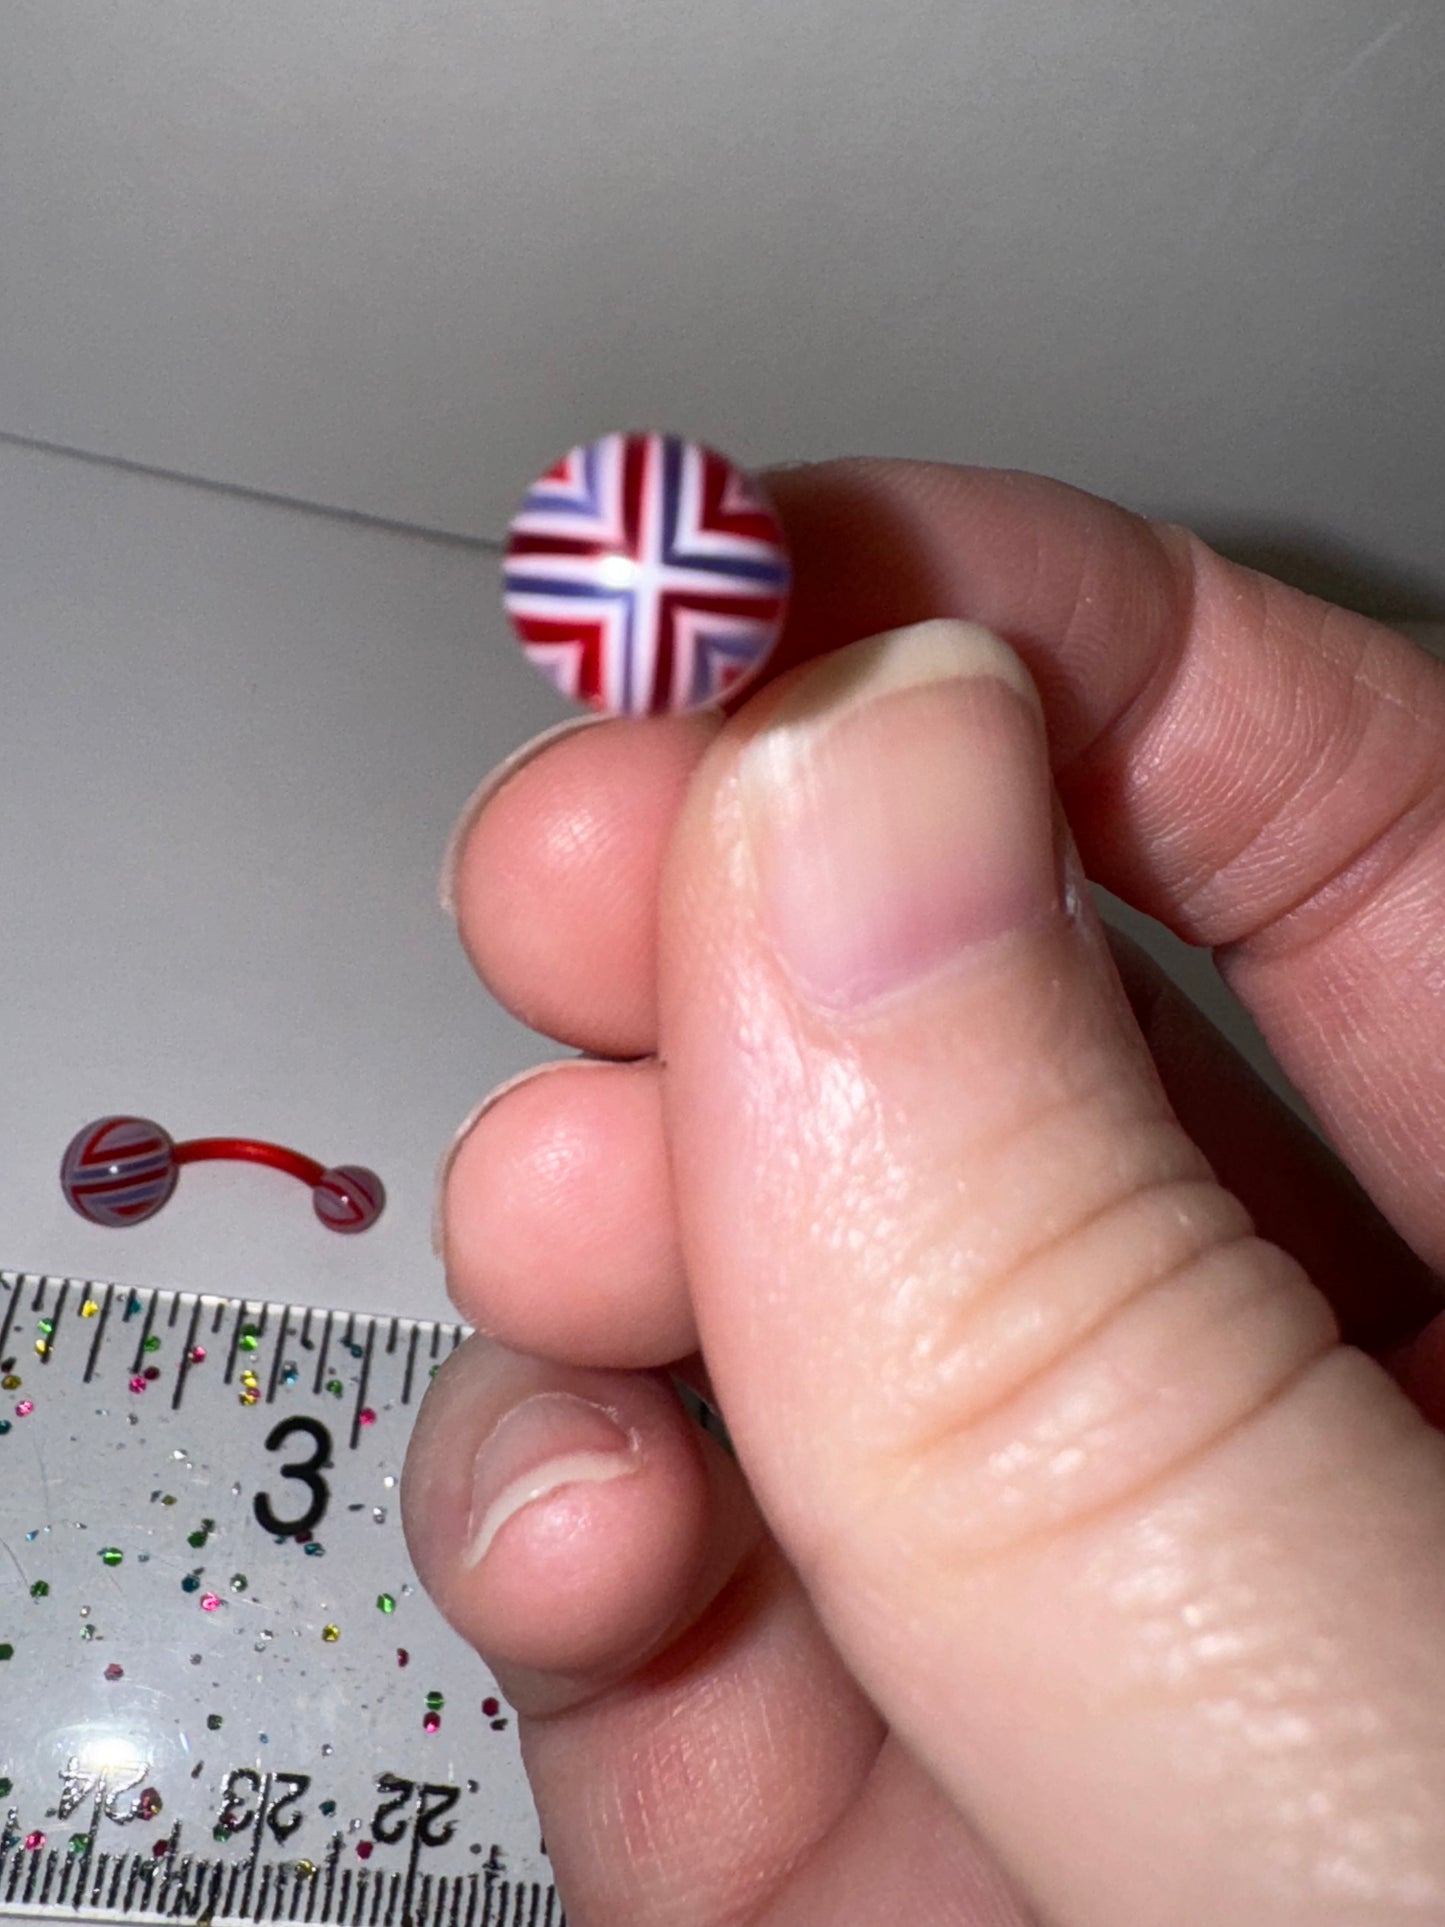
272 498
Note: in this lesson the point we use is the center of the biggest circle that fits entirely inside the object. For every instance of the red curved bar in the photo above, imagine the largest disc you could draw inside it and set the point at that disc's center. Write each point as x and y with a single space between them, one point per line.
197 1150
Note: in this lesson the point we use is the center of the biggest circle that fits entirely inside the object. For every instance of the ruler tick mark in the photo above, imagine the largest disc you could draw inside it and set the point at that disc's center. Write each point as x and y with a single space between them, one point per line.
100 1324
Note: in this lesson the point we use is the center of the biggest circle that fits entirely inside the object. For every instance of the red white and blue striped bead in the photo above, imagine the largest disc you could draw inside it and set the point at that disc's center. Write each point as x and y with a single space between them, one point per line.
119 1170
646 575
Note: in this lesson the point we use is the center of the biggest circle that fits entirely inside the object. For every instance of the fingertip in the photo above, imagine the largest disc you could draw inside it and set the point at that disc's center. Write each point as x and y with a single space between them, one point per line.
558 1518
555 882
558 1227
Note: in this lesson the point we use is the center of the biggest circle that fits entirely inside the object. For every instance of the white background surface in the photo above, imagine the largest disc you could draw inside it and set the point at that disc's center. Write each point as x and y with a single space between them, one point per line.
400 254
234 740
396 257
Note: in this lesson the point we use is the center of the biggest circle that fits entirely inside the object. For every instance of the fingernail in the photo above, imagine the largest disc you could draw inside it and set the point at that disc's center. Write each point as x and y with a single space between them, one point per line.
899 807
487 789
469 1124
550 1440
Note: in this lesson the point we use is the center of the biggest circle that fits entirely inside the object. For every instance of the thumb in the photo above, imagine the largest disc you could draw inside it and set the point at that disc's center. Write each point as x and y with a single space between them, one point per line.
1142 1565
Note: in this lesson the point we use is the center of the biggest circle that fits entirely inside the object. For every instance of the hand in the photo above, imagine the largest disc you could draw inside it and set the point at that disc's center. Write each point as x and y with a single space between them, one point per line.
1071 1567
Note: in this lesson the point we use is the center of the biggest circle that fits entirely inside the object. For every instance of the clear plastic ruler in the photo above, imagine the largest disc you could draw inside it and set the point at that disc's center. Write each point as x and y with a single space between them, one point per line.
223 1695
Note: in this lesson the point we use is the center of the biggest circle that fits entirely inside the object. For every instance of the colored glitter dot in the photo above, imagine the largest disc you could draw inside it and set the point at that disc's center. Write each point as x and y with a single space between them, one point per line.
363 1849
138 1383
403 1657
239 1582
41 1589
250 1337
7 1651
89 1308
34 1842
213 1722
249 1397
289 1373
4 1426
491 1707
152 1343
335 1387
366 1416
77 1844
5 1788
209 1602
306 1869
435 1702
357 1351
132 1309
197 1538
430 1722
114 1672
197 1354
331 1634
161 1849
112 1555
385 1602
25 1408
314 1550
42 1348
151 1374
222 1834
10 1382
46 1327
328 1807
190 1583
250 1381
150 1803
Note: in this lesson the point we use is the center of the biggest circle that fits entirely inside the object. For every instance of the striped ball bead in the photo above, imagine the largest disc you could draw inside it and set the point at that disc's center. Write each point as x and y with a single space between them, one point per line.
646 575
348 1197
119 1170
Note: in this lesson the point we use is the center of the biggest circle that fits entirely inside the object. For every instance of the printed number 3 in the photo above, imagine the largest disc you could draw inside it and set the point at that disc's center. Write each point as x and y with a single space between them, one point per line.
307 1470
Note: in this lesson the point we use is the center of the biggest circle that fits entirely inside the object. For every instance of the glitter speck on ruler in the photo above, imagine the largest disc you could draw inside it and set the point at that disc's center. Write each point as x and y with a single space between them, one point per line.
25 1408
330 1634
209 1602
385 1602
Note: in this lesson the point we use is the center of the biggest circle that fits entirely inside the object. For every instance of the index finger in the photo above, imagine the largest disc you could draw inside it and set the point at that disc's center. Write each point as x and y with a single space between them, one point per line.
1261 771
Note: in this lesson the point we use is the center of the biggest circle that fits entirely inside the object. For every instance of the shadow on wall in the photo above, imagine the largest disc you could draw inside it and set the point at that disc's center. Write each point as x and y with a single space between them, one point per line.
1325 566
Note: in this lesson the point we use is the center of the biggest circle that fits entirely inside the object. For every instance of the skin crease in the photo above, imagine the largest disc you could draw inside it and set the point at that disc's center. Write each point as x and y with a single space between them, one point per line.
1103 1596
